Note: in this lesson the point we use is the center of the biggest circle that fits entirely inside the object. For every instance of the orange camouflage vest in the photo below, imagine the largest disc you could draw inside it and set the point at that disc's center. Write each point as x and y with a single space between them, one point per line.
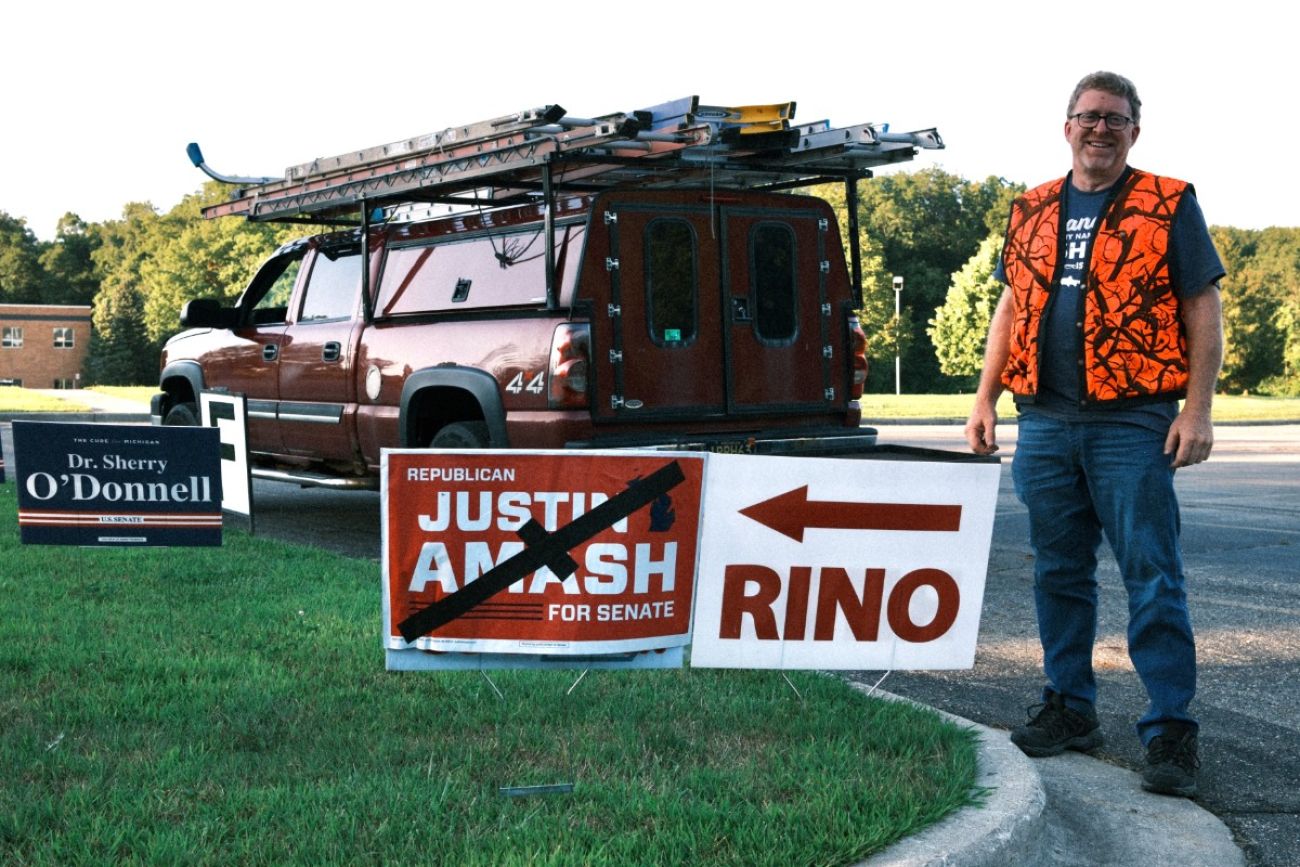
1134 348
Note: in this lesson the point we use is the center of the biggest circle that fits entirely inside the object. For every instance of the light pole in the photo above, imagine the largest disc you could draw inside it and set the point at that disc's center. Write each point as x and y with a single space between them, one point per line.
898 303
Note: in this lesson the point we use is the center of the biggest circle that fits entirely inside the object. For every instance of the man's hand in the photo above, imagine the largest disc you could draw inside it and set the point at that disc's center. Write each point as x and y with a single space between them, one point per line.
1191 436
981 429
1190 439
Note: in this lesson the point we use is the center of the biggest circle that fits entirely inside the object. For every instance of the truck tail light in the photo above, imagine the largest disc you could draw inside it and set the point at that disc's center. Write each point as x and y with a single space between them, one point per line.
570 360
858 355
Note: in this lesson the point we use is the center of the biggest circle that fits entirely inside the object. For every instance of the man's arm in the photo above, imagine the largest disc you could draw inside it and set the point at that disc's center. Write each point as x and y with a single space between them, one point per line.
981 429
1192 435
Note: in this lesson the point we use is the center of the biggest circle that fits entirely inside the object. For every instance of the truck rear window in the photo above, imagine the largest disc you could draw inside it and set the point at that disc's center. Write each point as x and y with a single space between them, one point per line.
772 275
498 270
670 281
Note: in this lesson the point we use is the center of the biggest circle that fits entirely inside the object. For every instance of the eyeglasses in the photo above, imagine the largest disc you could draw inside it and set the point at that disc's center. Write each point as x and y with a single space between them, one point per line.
1089 119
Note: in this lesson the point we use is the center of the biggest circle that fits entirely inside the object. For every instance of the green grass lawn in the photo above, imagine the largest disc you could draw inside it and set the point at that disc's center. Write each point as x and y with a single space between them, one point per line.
14 399
229 706
139 393
19 400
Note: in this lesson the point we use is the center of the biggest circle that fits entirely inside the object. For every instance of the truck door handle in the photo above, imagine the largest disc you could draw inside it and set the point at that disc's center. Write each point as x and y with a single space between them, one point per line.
332 351
270 352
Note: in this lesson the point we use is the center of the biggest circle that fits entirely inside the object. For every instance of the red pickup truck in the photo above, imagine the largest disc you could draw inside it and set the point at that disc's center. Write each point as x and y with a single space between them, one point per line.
697 316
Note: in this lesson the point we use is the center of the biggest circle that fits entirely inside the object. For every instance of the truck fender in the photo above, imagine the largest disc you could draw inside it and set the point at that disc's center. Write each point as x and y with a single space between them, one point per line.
477 385
188 372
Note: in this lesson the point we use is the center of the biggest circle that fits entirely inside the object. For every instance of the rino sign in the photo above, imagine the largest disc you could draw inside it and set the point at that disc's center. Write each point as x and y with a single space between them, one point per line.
833 564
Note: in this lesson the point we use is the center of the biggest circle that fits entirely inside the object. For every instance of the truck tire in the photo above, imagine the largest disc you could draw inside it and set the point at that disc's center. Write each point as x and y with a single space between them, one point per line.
182 414
462 435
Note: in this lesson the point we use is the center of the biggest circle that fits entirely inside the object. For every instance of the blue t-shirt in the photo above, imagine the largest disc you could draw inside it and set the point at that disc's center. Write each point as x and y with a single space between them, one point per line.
1194 265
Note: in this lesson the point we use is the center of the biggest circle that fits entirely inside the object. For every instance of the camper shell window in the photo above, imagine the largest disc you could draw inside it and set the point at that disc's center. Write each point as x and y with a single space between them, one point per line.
501 269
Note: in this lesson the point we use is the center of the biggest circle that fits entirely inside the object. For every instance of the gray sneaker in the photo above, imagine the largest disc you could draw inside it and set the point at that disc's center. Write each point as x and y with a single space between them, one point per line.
1172 763
1054 728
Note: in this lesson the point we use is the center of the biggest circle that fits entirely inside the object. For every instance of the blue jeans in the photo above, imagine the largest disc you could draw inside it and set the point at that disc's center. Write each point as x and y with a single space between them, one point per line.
1079 480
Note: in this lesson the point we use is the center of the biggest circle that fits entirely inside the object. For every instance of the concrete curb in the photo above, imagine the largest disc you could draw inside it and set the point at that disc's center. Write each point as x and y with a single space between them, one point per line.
1007 828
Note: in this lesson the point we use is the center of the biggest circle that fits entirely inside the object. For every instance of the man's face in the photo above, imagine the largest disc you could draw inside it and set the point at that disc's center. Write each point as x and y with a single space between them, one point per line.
1100 154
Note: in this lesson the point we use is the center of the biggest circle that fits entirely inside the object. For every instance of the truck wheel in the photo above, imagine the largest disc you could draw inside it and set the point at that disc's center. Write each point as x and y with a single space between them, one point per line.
462 435
182 414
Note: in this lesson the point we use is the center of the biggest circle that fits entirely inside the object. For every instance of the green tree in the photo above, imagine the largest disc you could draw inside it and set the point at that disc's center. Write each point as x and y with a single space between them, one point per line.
928 224
120 351
150 265
21 279
1277 266
203 259
1261 307
70 276
960 327
885 334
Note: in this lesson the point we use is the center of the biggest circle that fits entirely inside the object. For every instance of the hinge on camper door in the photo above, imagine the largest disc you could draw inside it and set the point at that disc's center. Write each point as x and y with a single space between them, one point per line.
826 309
615 401
830 394
825 266
615 311
828 351
611 264
615 356
610 218
823 224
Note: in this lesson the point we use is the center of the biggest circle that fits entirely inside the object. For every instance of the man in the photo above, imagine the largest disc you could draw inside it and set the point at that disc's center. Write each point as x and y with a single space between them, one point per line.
1111 315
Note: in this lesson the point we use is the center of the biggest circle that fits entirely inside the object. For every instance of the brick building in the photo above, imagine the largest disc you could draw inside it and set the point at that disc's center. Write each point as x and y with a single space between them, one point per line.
43 345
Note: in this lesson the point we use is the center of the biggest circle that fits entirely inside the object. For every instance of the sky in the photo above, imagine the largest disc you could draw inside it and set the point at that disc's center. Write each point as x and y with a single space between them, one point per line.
101 99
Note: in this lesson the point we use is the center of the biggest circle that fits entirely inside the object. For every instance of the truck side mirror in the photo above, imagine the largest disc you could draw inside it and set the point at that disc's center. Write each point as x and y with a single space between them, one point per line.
207 313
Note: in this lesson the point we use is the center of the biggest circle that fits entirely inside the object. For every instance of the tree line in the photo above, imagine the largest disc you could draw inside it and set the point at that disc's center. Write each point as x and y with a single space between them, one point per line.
940 232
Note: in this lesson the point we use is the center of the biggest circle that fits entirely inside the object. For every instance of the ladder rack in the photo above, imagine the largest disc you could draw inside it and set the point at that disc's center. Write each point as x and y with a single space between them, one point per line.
540 151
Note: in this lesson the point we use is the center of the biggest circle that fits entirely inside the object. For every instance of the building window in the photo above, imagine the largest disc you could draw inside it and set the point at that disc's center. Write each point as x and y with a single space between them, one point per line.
63 338
65 383
11 337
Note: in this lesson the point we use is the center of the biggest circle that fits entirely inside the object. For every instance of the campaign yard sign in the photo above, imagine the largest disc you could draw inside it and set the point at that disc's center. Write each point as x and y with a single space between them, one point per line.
585 556
117 485
228 413
814 563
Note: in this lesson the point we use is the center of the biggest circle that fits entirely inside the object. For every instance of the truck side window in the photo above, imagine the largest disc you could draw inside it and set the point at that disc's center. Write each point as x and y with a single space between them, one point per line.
266 301
670 281
772 280
332 287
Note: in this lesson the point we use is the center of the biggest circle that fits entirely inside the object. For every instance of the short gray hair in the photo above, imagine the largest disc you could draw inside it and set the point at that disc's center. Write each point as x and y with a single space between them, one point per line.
1112 83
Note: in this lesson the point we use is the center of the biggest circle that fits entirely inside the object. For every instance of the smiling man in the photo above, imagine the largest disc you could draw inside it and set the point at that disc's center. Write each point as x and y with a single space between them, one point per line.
1111 315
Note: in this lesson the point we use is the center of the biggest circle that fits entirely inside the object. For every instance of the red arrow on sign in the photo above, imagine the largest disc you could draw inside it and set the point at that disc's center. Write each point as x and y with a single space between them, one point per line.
792 512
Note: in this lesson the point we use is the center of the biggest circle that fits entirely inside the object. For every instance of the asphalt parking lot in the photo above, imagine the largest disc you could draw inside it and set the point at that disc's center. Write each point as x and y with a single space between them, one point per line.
1241 546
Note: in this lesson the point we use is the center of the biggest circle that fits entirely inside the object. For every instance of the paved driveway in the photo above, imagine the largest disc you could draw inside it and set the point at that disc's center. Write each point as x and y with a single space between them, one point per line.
1241 543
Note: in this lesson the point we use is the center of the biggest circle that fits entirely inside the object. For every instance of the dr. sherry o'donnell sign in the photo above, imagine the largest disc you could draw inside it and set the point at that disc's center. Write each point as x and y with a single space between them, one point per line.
128 485
833 564
543 554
